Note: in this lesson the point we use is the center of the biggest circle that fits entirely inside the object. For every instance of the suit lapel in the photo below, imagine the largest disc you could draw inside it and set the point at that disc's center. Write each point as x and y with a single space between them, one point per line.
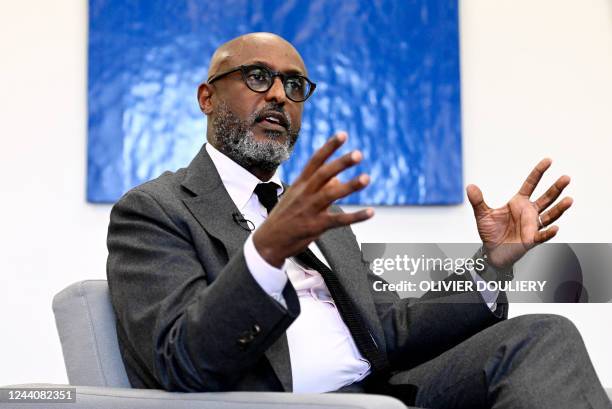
212 206
214 209
217 217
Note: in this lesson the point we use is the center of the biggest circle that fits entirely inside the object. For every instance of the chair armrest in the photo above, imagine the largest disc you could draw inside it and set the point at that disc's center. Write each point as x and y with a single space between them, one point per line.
94 397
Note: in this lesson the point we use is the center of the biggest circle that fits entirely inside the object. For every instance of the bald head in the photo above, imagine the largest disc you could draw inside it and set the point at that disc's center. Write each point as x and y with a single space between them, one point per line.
251 47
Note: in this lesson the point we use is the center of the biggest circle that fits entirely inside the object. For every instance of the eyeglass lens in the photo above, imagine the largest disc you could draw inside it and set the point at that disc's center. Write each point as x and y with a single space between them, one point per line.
260 79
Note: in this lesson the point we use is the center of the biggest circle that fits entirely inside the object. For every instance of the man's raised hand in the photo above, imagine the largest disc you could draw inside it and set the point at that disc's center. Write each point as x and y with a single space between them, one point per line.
302 214
511 230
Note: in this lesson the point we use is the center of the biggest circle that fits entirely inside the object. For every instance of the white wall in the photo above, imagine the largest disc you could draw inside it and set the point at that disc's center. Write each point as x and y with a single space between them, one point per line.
537 81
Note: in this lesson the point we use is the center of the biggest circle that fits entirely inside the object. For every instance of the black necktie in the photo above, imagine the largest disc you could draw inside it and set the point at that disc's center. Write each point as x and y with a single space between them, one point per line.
266 192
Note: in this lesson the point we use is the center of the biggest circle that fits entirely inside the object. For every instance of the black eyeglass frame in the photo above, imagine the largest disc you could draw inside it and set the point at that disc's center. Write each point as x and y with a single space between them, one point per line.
245 68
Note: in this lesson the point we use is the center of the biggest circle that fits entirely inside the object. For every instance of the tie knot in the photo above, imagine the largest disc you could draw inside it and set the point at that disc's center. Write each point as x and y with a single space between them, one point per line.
266 193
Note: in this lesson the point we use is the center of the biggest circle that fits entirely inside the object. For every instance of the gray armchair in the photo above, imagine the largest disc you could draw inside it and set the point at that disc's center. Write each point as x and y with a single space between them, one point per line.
86 325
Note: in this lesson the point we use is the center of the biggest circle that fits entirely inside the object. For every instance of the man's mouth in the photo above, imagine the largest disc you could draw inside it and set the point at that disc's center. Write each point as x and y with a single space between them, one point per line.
273 120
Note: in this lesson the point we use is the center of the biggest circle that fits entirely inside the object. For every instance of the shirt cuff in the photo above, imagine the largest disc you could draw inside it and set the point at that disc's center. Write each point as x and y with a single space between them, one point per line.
271 279
490 297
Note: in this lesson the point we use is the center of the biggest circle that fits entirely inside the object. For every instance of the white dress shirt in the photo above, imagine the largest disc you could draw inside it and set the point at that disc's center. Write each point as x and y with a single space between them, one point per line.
323 354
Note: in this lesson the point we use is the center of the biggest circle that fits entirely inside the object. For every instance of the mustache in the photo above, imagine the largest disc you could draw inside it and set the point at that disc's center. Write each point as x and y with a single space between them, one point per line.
259 115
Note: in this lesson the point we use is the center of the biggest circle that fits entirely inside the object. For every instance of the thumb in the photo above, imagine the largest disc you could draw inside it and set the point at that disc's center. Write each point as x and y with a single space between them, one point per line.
474 195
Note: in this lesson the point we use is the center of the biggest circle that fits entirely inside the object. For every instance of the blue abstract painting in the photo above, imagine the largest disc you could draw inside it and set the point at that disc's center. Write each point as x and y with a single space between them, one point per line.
387 72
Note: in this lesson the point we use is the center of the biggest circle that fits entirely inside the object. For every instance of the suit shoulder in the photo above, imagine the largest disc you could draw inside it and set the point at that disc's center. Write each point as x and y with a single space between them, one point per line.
165 190
168 184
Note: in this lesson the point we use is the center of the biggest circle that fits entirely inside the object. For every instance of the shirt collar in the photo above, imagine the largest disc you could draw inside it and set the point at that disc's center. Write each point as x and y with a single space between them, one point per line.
239 182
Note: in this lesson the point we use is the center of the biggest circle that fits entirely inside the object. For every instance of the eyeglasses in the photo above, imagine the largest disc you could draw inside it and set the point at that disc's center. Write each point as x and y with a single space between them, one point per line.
260 78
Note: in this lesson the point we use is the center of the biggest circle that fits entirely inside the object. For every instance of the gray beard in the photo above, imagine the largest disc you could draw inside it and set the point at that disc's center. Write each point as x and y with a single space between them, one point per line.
235 139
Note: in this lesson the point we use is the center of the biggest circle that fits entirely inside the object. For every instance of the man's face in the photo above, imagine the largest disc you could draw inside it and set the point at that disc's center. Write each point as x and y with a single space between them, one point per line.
257 130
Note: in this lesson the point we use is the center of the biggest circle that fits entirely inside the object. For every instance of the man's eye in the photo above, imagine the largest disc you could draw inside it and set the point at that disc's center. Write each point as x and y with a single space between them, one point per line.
295 83
258 75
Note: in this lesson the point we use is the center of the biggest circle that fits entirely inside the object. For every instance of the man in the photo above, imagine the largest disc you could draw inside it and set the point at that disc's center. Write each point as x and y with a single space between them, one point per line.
204 303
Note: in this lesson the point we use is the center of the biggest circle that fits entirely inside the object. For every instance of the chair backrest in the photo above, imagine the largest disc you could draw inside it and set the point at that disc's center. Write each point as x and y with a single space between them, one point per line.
86 325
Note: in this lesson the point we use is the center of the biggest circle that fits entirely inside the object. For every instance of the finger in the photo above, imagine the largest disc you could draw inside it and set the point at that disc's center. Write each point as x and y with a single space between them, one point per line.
329 170
339 190
476 199
545 235
322 154
557 211
552 193
534 177
344 219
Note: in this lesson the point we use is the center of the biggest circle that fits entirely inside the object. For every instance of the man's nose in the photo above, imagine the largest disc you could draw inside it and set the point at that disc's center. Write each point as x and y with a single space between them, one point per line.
277 91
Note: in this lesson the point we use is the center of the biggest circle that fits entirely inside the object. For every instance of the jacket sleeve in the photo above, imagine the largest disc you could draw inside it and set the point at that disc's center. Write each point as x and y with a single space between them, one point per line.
188 333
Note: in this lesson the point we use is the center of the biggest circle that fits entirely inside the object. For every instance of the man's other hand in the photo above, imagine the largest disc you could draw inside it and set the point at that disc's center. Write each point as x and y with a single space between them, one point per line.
511 230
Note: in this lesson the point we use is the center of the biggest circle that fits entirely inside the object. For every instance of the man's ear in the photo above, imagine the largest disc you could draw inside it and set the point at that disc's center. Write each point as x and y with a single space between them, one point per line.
205 92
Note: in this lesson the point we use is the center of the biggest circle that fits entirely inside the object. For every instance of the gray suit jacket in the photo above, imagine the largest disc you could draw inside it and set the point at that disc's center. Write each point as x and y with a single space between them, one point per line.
190 316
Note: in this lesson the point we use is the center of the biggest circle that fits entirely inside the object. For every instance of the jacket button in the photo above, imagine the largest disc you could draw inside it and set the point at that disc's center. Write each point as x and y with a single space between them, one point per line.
245 339
243 343
256 329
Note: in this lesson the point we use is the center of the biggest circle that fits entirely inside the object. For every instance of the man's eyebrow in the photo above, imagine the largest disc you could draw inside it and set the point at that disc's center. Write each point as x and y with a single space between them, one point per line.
289 71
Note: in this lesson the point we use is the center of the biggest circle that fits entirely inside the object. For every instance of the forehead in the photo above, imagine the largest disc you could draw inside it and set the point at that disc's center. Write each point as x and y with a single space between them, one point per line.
273 52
